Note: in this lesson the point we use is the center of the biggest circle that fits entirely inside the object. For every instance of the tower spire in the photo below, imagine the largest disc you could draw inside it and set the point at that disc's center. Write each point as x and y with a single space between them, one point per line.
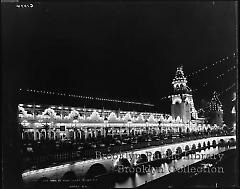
180 81
182 101
216 111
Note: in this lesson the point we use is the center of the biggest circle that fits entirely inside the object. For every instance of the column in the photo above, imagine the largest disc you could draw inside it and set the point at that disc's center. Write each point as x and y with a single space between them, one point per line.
80 133
45 134
74 134
120 131
95 133
34 135
86 133
113 130
102 131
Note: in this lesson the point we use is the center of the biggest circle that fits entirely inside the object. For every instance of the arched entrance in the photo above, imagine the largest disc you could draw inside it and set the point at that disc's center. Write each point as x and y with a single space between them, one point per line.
157 155
43 135
68 176
168 153
52 135
96 170
142 159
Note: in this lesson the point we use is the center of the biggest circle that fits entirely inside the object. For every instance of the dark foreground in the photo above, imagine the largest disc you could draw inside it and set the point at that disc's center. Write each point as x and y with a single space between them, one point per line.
227 178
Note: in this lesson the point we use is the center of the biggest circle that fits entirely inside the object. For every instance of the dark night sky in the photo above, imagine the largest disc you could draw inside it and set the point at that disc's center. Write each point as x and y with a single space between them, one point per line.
126 51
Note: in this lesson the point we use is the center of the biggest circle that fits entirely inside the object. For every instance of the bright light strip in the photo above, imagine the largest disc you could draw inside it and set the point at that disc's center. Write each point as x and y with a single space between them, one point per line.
87 97
206 67
45 170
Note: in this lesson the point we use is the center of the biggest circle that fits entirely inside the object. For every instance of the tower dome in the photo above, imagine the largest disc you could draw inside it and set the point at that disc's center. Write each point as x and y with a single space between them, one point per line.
180 82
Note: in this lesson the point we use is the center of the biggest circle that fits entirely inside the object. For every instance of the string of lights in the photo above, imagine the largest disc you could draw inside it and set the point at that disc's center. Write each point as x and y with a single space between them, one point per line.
227 89
84 97
194 73
220 76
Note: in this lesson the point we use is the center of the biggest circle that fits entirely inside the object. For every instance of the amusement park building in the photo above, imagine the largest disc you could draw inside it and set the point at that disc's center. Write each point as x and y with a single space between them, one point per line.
60 122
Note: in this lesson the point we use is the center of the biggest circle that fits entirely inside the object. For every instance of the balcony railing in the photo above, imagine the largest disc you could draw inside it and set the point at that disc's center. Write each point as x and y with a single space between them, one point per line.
79 152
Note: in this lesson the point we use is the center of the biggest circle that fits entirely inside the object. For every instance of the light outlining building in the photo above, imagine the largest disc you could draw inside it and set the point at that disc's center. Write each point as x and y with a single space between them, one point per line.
216 111
234 111
182 101
39 122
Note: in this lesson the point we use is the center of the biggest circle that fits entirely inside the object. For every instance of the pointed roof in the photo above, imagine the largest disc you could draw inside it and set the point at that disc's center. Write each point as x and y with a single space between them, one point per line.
216 99
215 104
179 75
180 81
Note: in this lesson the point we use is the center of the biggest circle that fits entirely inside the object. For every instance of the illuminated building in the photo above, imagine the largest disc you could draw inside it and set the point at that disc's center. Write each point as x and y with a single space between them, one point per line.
42 122
216 111
234 112
182 101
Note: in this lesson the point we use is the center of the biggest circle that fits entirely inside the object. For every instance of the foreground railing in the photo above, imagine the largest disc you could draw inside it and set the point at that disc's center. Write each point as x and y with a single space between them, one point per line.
34 161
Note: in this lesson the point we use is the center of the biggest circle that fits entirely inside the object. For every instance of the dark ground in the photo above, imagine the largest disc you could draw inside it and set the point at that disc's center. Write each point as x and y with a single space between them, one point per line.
226 179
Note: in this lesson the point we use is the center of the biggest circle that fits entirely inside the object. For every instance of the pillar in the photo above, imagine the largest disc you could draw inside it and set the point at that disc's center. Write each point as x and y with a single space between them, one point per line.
113 130
86 133
45 134
95 133
34 134
102 131
120 131
80 133
74 135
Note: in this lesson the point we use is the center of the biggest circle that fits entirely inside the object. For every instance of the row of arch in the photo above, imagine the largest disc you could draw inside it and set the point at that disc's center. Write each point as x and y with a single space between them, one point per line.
179 151
99 169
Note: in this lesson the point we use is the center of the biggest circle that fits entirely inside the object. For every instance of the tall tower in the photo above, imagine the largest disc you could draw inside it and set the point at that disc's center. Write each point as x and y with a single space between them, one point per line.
216 111
182 101
234 111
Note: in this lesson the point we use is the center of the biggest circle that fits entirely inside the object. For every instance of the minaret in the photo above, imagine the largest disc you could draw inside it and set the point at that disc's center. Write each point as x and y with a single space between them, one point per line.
182 101
216 111
234 112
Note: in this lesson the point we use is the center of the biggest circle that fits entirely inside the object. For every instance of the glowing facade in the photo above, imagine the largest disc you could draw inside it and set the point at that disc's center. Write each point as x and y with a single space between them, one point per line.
216 111
182 101
60 123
